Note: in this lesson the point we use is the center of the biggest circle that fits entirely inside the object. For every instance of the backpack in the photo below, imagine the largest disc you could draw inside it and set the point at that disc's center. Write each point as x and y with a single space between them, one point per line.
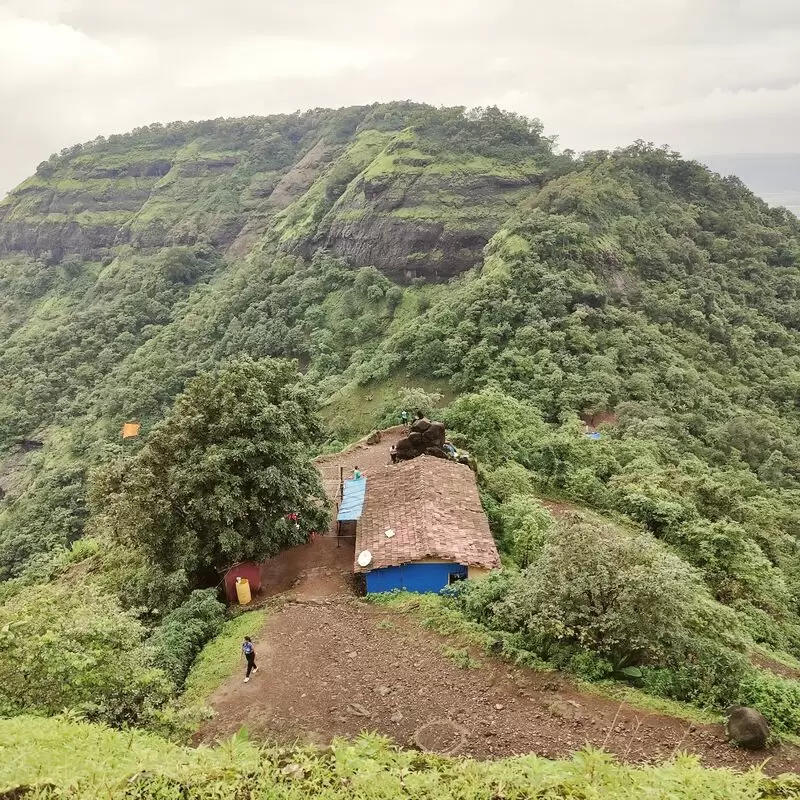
248 648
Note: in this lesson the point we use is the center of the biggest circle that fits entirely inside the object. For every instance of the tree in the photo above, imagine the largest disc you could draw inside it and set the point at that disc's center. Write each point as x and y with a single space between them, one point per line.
217 480
65 649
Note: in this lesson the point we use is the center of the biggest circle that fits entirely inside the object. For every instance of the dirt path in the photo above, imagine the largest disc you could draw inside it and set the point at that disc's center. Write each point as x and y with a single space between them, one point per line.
367 457
337 667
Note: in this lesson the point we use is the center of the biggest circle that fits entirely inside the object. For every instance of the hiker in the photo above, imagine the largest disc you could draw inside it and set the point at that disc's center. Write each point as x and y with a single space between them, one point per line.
249 652
393 453
356 474
450 450
404 419
420 415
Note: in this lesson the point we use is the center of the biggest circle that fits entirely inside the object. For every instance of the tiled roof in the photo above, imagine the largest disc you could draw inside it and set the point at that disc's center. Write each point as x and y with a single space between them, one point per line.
433 507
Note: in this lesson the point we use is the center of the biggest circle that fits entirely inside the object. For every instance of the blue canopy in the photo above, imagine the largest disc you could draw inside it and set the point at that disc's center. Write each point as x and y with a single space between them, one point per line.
352 500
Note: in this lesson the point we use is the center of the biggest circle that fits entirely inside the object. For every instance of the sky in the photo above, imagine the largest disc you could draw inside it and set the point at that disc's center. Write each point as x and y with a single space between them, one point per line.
704 76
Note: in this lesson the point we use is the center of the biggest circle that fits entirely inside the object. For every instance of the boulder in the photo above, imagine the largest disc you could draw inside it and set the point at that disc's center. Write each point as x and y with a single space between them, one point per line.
374 438
435 434
747 728
416 440
420 425
436 452
404 445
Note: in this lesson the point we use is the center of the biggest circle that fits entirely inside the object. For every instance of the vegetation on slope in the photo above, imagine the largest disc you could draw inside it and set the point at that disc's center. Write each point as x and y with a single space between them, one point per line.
56 758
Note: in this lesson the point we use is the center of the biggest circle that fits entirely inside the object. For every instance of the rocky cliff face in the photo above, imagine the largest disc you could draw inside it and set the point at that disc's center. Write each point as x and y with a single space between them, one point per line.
378 190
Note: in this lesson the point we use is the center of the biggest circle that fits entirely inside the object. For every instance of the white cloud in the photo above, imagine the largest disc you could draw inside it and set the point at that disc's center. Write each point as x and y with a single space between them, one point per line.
701 75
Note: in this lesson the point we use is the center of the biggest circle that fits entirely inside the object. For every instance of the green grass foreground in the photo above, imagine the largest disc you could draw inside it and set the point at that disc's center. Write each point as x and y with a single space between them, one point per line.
58 758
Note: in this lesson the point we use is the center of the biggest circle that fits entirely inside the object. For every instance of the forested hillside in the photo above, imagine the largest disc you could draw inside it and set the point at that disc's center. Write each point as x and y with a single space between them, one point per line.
395 246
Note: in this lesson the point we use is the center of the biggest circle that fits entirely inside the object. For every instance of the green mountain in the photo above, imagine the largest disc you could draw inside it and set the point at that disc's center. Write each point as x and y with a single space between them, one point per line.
455 253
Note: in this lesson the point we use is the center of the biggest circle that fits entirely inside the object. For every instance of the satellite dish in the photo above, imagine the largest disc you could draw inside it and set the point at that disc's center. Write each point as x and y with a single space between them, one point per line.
364 558
389 533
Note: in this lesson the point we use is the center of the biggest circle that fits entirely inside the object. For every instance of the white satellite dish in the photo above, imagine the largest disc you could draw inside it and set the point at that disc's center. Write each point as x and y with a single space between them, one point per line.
364 558
389 533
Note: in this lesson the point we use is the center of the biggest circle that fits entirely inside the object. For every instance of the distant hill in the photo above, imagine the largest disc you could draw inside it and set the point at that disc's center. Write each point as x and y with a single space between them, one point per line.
773 176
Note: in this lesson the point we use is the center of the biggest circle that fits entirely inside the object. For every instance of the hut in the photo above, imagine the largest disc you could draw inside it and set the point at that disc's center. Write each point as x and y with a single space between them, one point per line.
422 528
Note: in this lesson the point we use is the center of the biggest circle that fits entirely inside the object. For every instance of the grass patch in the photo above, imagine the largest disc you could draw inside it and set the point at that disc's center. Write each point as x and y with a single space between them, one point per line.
219 658
778 656
648 702
79 760
354 410
461 658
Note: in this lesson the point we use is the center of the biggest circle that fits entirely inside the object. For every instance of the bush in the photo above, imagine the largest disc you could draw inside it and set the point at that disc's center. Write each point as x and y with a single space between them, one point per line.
184 632
598 588
512 478
590 667
76 649
708 676
778 699
525 523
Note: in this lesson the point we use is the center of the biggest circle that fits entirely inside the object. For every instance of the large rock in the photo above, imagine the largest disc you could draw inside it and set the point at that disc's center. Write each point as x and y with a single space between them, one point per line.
747 728
435 434
416 440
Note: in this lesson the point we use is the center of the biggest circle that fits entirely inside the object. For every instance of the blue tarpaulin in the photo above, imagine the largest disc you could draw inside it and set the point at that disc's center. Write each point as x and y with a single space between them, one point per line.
593 435
352 500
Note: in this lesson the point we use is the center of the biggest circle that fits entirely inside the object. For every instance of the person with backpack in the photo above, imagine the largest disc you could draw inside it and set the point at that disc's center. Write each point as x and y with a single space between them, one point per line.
249 652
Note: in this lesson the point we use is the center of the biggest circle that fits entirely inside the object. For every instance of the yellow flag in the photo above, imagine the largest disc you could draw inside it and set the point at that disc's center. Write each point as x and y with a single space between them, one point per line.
130 429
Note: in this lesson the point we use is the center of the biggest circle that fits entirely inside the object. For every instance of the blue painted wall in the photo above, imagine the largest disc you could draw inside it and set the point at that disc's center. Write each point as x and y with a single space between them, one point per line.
413 577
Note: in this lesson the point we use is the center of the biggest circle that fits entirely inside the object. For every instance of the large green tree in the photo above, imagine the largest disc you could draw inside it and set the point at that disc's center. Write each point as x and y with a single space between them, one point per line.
216 481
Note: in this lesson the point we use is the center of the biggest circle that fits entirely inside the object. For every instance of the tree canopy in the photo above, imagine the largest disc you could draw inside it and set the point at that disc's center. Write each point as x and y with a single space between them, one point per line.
218 479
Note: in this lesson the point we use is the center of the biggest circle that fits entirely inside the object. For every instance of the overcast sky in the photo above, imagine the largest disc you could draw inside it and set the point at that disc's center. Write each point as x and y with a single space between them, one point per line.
705 76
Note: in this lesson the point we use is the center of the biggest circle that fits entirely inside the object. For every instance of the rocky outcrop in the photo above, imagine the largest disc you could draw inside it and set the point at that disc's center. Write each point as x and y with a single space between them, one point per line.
411 214
424 438
299 179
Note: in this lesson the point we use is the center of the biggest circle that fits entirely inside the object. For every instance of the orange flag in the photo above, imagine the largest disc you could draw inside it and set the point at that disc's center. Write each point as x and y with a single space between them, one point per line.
130 429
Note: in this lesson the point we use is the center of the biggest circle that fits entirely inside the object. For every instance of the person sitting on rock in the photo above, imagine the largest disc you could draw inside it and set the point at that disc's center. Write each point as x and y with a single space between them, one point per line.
450 450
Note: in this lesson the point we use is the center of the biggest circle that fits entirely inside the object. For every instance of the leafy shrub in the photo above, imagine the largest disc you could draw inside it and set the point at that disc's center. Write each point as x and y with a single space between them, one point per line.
597 588
708 676
477 599
590 667
509 479
74 648
83 762
778 699
525 523
184 632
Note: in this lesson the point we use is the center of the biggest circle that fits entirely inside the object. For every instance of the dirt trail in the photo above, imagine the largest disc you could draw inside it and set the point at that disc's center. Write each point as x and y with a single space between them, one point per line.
367 457
337 667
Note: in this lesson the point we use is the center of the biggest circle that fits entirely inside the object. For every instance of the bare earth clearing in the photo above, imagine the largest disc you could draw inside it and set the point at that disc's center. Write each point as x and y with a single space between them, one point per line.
332 665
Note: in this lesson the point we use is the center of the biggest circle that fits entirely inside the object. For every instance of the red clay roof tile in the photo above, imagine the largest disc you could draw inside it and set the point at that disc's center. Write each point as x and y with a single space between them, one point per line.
434 509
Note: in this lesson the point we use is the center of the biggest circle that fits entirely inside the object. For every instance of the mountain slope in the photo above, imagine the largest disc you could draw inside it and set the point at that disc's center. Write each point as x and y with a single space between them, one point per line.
632 282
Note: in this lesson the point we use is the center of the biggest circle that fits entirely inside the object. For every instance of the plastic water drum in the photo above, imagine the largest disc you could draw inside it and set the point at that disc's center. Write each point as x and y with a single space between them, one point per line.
243 591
